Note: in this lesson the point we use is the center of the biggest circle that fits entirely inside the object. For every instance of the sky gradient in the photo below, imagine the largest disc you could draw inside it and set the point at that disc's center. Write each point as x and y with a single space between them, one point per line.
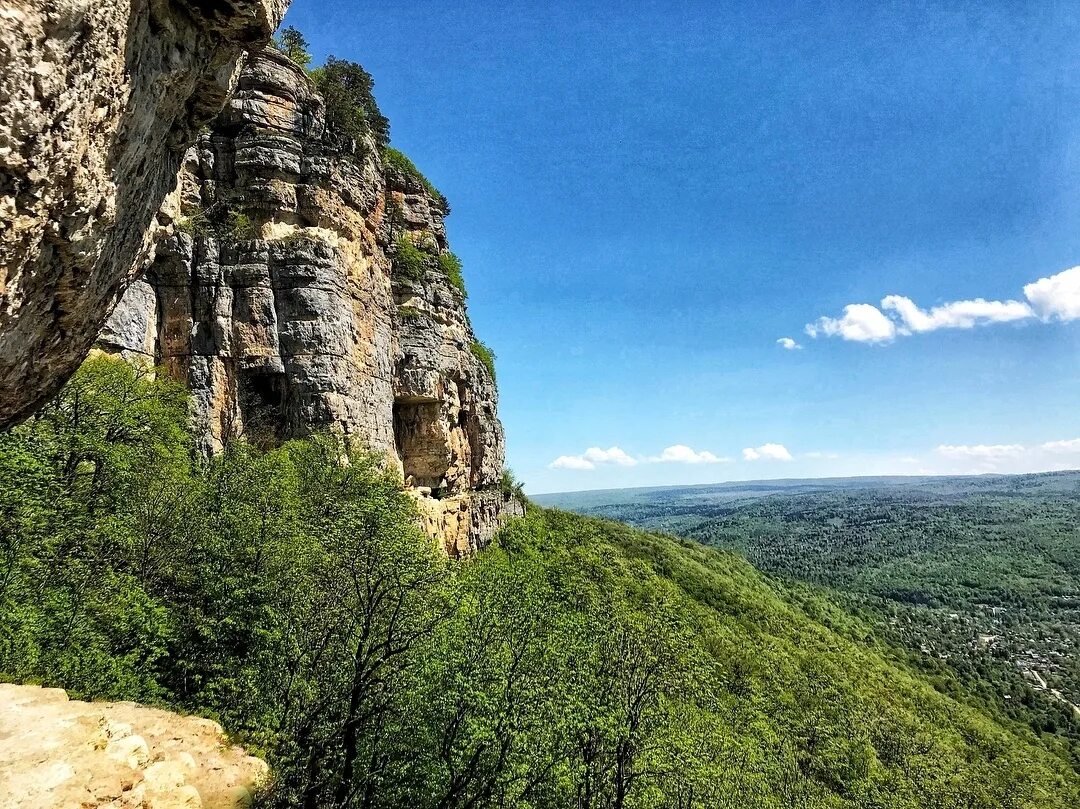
647 198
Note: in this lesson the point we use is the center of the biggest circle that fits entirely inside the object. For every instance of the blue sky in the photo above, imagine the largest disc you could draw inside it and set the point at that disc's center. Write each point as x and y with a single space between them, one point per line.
647 196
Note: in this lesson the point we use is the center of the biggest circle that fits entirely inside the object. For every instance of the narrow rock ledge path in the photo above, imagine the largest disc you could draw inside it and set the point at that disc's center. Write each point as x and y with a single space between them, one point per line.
57 753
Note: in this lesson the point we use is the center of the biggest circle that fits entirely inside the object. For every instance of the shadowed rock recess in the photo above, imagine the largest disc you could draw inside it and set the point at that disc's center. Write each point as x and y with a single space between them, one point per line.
279 300
98 101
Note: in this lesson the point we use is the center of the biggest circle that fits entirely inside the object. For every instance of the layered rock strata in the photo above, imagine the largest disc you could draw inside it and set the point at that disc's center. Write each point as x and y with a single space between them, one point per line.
282 300
99 99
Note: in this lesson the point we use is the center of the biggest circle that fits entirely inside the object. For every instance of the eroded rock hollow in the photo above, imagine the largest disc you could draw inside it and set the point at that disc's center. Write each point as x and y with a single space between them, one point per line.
281 299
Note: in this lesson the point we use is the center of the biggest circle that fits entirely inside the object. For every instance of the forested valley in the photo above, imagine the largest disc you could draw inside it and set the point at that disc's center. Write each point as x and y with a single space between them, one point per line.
975 579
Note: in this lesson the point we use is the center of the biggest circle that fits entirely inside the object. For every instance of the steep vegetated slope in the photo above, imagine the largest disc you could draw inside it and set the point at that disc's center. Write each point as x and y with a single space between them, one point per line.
978 577
574 662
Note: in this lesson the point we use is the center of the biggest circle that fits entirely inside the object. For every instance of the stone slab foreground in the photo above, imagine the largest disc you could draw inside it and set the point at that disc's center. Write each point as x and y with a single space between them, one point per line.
57 753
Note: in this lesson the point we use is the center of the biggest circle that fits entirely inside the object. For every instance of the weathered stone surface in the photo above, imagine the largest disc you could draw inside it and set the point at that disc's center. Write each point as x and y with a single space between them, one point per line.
277 301
98 101
56 754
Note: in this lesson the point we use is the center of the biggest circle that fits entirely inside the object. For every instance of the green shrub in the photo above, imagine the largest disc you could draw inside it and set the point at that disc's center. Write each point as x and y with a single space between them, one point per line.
409 262
410 313
239 226
197 224
485 355
450 264
400 161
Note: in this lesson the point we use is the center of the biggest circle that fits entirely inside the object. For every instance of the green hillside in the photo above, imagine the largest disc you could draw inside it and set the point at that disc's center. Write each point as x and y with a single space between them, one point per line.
574 663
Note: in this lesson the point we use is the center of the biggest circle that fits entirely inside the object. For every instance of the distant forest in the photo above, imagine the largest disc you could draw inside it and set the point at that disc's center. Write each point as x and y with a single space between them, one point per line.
975 580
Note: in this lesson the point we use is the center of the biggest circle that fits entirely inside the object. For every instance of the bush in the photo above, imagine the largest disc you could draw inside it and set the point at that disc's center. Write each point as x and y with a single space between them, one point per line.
351 109
485 355
400 161
240 227
450 264
409 262
197 224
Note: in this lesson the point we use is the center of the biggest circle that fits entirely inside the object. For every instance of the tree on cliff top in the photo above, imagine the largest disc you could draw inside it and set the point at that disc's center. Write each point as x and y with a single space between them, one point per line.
351 109
294 45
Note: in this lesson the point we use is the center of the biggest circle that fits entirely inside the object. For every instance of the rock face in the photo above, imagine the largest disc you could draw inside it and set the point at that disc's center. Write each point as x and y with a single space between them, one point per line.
99 99
56 753
282 300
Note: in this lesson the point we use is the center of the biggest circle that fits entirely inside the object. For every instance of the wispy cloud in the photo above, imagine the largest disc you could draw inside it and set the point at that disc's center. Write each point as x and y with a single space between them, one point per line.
984 452
1056 297
1008 458
767 452
788 344
680 453
955 315
593 457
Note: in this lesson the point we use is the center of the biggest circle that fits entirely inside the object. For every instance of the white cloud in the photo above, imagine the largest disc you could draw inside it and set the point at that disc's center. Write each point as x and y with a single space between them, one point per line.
772 452
571 462
593 457
985 452
1070 445
954 315
613 455
1056 296
860 322
788 344
680 453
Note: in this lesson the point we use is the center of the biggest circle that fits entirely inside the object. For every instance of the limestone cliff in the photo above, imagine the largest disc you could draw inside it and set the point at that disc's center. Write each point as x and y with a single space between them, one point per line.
280 298
98 101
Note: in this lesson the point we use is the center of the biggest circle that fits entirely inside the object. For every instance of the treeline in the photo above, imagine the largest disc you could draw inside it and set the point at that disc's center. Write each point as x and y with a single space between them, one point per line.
574 663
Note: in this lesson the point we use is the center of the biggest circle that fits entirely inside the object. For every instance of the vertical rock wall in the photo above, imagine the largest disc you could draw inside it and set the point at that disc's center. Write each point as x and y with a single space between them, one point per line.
277 299
98 101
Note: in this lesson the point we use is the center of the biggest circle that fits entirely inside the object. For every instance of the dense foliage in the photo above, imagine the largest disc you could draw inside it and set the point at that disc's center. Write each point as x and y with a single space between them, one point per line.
979 578
575 662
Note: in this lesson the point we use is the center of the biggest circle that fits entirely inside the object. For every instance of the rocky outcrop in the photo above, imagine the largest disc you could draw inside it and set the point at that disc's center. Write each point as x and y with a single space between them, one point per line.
57 753
283 300
99 99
